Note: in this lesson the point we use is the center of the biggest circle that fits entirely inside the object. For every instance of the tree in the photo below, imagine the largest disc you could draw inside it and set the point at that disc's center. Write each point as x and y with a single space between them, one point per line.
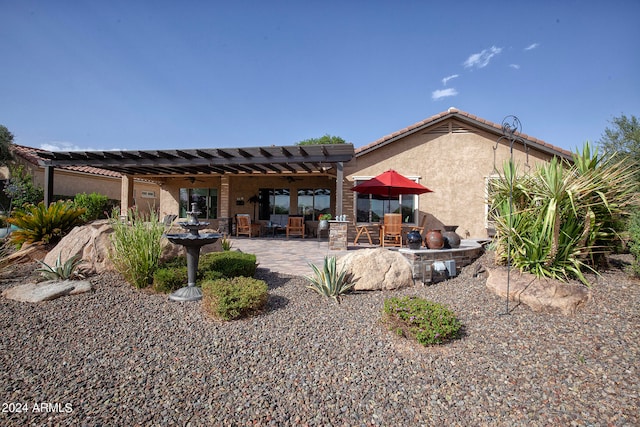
6 139
623 138
326 139
21 189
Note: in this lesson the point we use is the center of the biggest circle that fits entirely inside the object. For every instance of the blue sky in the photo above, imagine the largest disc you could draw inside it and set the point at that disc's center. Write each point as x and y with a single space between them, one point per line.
101 75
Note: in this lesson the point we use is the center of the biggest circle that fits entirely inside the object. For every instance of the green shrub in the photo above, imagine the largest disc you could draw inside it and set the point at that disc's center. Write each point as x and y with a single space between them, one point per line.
425 321
329 281
634 242
169 279
20 188
44 224
136 248
95 205
209 275
230 264
61 271
172 275
232 298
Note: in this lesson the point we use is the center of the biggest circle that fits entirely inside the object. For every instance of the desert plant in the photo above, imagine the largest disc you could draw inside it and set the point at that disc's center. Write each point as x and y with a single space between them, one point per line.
425 321
561 220
634 241
226 244
61 271
136 247
230 264
329 281
95 205
232 298
44 224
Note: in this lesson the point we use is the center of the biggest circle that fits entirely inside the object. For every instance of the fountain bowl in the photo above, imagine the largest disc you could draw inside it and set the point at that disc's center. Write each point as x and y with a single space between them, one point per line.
193 240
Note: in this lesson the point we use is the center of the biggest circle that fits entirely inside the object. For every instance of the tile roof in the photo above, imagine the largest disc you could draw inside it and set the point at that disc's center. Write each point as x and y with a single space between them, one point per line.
462 115
32 155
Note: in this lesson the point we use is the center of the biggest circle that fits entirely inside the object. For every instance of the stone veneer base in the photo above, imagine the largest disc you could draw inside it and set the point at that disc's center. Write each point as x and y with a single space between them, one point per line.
421 260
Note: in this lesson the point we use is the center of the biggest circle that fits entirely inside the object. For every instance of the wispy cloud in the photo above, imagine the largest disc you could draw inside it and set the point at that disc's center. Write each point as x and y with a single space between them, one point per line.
532 46
443 93
482 59
451 77
67 146
514 66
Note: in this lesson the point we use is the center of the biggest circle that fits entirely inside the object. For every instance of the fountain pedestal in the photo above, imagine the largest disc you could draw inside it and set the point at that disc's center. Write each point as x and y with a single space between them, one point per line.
192 242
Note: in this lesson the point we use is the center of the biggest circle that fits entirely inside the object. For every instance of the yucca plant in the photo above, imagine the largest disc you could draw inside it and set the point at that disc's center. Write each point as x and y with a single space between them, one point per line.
226 243
329 281
136 247
44 224
562 219
61 271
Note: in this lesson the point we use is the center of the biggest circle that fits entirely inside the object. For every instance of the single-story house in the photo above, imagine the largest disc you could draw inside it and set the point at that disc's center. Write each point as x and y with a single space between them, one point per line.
74 179
454 153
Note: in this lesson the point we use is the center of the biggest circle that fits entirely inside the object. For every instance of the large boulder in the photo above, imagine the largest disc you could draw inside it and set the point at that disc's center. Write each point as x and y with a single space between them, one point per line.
91 242
377 269
539 294
27 254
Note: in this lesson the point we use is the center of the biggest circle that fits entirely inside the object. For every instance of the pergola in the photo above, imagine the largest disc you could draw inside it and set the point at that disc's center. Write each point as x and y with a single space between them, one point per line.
325 159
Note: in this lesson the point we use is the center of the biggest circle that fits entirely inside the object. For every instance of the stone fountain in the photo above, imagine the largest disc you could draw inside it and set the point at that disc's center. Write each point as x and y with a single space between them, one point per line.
192 242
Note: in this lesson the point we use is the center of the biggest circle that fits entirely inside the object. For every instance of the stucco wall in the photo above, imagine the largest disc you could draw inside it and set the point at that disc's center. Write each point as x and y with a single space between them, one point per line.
67 183
454 165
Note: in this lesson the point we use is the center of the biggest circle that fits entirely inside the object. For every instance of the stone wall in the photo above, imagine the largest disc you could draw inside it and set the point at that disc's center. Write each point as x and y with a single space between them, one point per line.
422 260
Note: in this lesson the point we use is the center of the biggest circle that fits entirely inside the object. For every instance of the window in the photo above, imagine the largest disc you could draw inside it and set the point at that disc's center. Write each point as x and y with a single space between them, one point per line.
273 201
314 202
371 207
206 198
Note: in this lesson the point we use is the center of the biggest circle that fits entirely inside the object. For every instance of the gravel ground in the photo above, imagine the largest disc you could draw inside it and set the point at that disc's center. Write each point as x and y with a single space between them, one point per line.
119 356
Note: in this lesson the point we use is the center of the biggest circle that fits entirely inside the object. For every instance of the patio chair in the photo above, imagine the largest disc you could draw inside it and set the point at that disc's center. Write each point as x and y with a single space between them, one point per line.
243 224
295 226
361 230
391 230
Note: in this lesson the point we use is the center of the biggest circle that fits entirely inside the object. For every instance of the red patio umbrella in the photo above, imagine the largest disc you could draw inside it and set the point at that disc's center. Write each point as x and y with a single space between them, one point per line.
390 184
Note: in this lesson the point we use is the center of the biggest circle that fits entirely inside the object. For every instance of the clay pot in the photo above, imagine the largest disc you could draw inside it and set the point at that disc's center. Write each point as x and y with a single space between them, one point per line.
434 239
451 238
414 239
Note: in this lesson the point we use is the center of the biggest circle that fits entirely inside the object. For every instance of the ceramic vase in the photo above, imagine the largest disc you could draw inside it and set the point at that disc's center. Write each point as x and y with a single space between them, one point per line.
414 239
452 239
434 239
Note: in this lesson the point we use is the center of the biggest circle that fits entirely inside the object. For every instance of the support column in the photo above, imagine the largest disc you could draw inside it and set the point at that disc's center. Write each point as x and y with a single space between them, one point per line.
339 187
126 195
48 185
224 219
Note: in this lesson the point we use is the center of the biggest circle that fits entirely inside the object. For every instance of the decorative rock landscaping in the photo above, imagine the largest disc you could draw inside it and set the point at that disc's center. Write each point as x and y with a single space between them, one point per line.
121 356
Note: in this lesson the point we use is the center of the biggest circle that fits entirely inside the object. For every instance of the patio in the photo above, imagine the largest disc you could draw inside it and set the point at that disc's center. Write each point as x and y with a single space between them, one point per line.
293 256
289 256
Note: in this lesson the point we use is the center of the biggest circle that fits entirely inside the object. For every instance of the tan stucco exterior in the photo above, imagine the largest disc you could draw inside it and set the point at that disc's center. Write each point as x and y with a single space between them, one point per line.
69 183
454 160
452 153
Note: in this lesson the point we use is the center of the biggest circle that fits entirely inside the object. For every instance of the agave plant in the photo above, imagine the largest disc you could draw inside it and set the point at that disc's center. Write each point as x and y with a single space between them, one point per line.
61 271
329 281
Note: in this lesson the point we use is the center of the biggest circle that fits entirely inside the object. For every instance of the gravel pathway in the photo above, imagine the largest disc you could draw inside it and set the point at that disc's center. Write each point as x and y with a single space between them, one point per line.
119 356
